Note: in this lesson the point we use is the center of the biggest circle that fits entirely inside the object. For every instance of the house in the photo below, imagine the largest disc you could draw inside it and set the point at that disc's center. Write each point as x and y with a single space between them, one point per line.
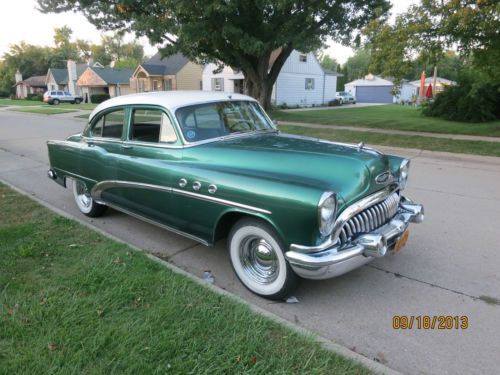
441 83
99 80
58 78
32 85
375 89
302 81
174 72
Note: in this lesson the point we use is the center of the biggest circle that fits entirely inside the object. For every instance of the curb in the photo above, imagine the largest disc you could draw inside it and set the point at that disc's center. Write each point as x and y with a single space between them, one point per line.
324 342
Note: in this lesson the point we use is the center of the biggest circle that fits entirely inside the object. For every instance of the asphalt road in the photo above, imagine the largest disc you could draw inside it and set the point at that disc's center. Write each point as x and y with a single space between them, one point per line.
449 267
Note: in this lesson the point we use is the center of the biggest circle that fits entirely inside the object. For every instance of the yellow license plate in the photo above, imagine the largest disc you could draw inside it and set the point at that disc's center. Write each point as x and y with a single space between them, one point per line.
401 242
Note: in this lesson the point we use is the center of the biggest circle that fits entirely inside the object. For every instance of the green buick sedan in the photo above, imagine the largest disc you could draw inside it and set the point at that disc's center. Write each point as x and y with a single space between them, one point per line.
210 165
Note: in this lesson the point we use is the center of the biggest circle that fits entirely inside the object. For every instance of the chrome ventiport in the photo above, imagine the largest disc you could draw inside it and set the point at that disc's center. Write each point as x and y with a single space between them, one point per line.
196 185
212 188
183 182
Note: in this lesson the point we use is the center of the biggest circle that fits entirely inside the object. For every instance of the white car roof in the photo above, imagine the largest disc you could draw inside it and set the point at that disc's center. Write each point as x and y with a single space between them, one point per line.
169 99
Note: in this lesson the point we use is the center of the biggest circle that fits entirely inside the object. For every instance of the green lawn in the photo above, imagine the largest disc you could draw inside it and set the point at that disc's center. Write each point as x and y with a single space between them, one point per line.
418 142
20 102
88 106
388 117
73 301
44 110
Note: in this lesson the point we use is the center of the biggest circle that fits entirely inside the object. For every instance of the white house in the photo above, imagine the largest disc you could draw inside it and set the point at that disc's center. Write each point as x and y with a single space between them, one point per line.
441 83
375 89
302 81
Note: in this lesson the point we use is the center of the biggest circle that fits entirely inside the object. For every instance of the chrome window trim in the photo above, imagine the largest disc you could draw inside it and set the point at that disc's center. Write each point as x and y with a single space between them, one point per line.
99 187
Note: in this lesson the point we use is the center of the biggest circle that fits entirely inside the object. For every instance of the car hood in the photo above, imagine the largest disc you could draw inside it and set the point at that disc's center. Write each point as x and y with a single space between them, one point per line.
328 166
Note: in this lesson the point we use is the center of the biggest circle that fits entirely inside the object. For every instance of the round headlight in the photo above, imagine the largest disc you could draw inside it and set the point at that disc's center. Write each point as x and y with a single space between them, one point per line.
404 170
327 208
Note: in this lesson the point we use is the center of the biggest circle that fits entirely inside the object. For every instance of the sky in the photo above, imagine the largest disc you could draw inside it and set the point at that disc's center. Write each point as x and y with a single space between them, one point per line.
20 21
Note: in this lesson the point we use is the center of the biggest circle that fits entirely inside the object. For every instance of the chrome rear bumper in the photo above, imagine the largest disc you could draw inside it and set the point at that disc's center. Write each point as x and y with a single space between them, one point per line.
337 260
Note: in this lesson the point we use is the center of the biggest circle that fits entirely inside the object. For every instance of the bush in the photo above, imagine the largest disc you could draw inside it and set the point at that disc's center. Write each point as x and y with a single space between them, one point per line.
99 98
4 94
334 103
472 100
37 97
283 106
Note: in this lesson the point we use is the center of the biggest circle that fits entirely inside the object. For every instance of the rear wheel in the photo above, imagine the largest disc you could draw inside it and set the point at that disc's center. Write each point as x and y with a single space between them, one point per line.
257 257
84 201
77 101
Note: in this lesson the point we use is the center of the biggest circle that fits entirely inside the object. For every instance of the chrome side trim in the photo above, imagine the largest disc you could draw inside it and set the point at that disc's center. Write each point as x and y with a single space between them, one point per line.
74 175
101 186
221 201
163 226
347 214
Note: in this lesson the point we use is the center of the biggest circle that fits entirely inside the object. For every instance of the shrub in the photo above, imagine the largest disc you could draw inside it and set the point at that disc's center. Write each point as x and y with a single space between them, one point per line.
4 94
99 98
13 96
473 99
37 97
283 106
334 103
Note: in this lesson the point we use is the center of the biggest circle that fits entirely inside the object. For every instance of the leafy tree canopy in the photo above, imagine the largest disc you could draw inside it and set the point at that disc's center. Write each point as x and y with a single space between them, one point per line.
327 61
431 28
239 33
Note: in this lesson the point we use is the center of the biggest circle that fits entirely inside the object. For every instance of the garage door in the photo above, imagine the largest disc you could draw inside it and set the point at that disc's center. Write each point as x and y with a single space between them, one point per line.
374 94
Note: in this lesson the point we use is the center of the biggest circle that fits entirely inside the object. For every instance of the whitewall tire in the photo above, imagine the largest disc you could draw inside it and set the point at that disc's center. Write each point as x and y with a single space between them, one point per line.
84 201
257 256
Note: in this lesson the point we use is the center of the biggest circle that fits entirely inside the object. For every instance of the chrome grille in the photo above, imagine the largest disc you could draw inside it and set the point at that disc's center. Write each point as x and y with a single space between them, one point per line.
370 218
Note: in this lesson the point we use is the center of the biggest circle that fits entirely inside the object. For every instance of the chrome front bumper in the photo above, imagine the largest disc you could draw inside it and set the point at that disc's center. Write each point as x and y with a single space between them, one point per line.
336 260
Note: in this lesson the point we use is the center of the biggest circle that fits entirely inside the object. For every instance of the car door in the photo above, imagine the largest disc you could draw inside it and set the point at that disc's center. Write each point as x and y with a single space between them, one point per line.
149 164
67 97
99 159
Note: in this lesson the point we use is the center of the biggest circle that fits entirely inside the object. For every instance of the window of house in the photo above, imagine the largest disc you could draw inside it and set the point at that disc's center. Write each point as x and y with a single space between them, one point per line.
303 57
157 86
168 84
217 84
309 83
110 125
151 125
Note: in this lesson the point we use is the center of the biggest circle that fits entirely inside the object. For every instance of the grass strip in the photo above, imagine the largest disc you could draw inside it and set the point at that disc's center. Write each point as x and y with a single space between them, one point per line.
74 301
396 117
21 102
395 140
44 111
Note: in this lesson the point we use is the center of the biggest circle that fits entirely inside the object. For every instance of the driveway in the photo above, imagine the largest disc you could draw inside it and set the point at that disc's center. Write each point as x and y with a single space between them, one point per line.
449 267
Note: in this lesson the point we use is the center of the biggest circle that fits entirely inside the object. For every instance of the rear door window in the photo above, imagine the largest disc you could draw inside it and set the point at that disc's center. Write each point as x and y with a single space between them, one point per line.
109 125
151 125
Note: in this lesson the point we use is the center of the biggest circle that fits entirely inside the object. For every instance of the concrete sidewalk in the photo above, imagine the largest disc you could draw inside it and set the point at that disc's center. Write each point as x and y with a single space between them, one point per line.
457 137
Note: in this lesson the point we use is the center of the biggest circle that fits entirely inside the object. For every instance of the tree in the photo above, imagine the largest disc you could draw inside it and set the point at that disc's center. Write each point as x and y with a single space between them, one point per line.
357 66
429 29
238 33
328 62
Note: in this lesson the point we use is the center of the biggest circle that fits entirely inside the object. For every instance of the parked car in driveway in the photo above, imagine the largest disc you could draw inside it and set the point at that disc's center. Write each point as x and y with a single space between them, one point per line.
345 98
57 96
211 165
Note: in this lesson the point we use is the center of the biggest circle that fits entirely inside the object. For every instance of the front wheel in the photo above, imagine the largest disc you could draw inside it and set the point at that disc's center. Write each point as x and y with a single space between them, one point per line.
257 257
84 201
55 102
341 101
77 101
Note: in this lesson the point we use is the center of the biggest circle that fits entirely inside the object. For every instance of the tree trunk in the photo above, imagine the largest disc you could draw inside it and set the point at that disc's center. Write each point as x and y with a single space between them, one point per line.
260 90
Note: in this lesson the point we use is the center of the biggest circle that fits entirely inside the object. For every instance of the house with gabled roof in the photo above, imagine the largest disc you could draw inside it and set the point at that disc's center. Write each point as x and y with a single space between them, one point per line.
302 80
31 85
99 80
175 72
59 78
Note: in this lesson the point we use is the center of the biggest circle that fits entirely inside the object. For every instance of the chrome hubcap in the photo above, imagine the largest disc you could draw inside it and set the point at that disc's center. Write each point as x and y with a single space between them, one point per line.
259 260
83 195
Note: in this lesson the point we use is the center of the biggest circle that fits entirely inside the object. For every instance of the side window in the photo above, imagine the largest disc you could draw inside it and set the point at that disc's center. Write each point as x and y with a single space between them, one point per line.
109 125
59 93
309 84
151 125
303 57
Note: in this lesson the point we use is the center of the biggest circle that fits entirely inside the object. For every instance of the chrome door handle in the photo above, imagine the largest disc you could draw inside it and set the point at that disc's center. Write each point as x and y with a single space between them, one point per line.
127 147
90 144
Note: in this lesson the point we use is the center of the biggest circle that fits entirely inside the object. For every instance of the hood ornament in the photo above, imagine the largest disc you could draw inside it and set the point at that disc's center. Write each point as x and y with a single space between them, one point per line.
360 146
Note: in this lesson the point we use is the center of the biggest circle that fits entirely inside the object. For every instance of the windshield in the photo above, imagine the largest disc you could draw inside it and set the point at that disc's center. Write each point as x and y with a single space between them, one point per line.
211 120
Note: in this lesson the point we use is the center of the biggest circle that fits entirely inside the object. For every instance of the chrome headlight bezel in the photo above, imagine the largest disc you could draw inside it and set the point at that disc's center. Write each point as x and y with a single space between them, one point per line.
327 211
404 170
